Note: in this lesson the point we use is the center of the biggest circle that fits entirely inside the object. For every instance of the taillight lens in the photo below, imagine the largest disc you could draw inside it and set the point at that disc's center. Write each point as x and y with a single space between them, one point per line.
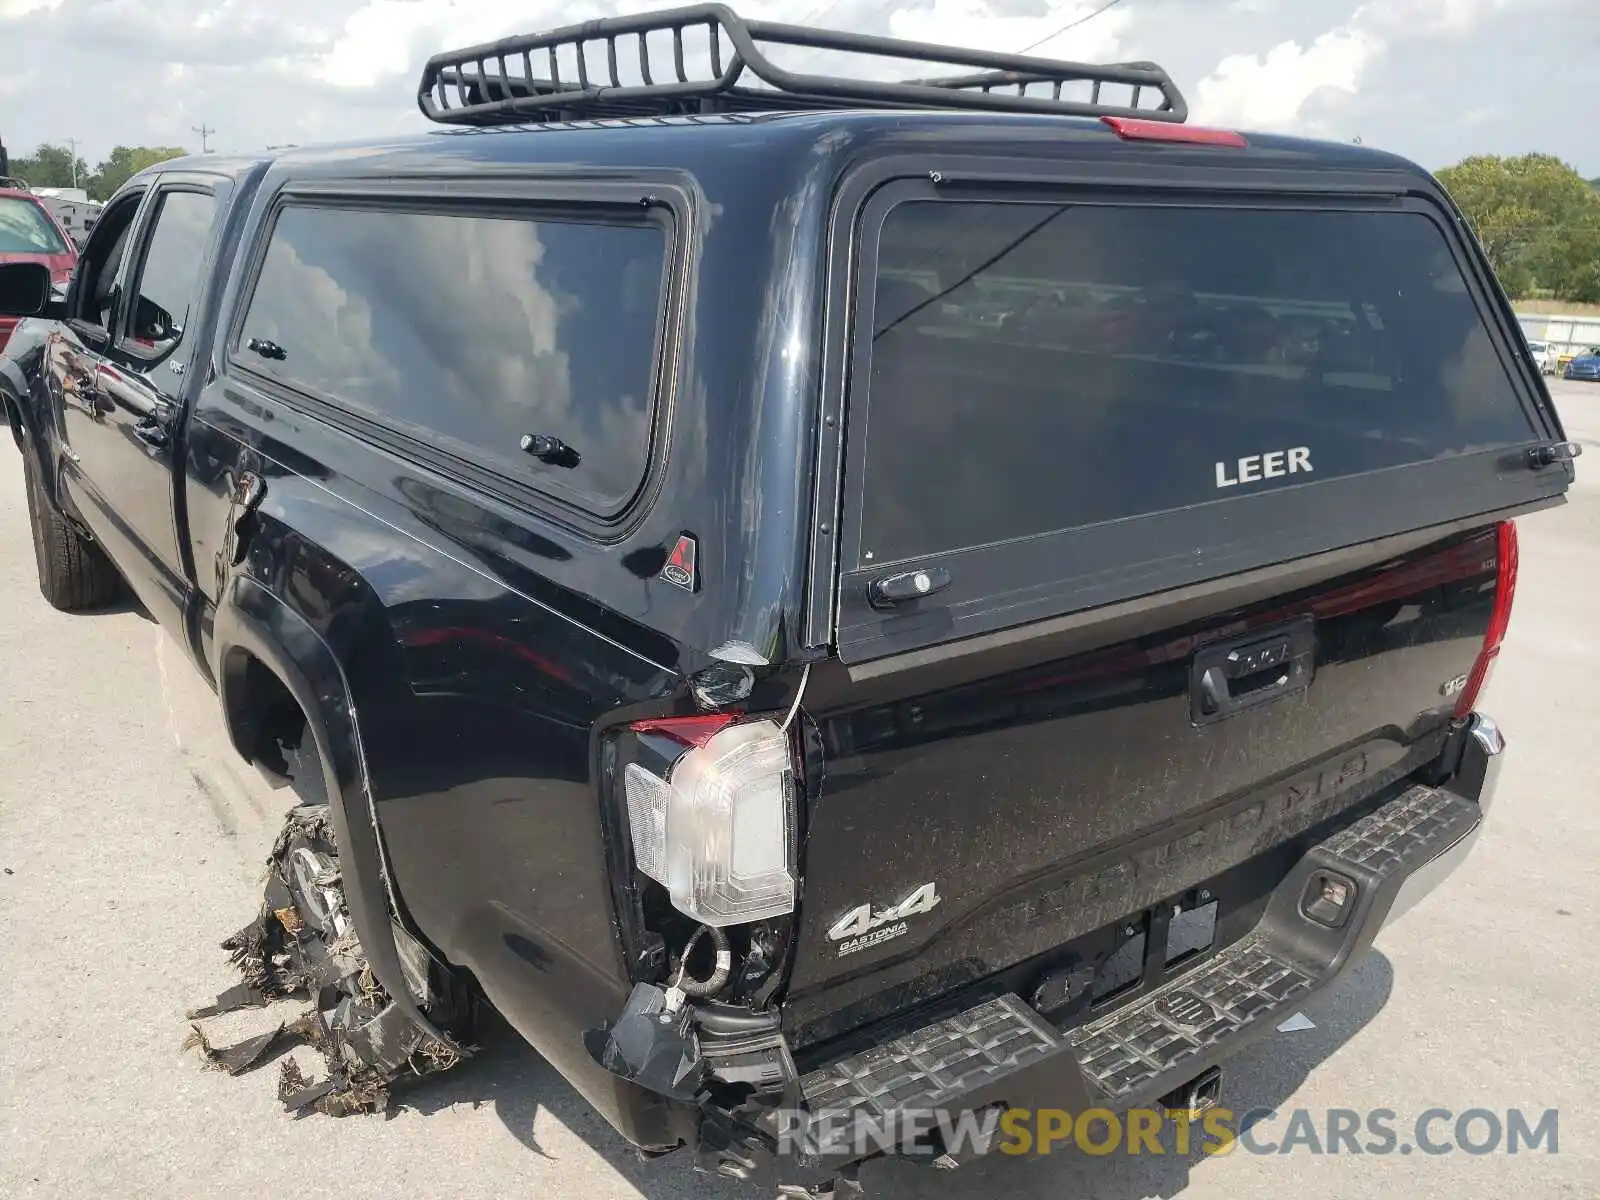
718 831
1505 590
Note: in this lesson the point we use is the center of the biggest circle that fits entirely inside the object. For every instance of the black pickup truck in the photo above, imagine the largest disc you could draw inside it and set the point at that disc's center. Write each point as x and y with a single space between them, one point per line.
809 594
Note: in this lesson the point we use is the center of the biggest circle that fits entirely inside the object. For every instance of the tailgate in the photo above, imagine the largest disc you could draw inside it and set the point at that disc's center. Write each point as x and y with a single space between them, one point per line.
1168 533
967 824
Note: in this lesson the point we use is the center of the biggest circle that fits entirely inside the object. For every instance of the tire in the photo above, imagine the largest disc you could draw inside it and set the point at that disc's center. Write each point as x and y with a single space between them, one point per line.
303 766
74 574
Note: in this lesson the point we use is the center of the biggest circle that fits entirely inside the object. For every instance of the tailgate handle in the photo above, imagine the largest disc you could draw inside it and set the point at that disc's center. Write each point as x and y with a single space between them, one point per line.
1253 660
1221 688
1230 678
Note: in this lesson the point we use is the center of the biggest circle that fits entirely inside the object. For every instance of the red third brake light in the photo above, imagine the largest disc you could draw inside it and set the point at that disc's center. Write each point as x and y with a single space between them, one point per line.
1505 590
1132 129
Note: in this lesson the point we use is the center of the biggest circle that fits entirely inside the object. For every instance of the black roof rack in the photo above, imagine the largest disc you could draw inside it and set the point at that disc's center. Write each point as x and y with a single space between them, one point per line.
721 66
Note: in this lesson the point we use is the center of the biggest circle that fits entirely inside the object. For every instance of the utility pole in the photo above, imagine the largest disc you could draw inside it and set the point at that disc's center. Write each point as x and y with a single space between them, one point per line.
72 150
204 131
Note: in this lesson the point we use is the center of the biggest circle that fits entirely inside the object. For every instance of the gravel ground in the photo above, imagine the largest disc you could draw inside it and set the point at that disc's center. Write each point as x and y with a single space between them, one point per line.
131 844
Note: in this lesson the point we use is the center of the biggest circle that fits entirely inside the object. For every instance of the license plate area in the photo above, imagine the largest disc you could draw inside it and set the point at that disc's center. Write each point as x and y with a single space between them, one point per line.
1121 962
1165 937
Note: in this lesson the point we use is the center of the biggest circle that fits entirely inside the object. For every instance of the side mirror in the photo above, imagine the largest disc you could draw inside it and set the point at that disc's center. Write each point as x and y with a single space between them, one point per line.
152 323
24 289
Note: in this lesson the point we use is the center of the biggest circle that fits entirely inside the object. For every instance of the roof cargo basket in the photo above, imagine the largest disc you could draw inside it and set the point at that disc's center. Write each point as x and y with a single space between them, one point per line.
707 59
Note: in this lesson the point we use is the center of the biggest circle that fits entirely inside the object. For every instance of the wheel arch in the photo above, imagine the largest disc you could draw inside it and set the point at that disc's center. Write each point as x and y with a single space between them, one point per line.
12 386
255 631
13 418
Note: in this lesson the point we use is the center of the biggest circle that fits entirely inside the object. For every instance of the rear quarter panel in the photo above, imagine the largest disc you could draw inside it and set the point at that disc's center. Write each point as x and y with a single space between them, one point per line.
483 643
474 702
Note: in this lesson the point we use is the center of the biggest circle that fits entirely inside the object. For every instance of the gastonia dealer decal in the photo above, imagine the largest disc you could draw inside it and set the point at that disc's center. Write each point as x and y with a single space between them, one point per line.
864 926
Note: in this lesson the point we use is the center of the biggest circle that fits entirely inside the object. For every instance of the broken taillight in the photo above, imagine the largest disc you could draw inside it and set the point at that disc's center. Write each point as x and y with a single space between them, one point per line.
1505 590
687 731
716 825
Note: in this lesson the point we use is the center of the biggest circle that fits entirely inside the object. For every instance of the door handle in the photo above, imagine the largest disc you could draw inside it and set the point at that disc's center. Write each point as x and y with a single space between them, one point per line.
249 490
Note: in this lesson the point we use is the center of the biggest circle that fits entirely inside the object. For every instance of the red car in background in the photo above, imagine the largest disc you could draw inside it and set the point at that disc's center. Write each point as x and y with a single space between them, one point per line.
28 233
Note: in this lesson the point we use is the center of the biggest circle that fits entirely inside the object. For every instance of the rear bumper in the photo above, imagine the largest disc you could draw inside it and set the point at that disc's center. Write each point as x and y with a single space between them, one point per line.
1475 781
1002 1052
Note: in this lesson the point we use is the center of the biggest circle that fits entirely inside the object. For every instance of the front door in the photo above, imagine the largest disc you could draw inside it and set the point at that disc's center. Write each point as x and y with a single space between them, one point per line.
124 455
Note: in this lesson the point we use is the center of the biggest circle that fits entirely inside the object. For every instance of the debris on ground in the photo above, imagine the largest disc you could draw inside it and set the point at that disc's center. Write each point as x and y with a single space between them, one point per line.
303 943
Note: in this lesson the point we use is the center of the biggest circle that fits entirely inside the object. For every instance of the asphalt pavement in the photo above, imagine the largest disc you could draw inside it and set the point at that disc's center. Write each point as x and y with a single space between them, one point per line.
131 844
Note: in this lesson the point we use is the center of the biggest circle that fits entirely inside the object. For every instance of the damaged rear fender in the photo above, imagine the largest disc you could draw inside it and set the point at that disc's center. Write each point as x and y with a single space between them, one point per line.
252 622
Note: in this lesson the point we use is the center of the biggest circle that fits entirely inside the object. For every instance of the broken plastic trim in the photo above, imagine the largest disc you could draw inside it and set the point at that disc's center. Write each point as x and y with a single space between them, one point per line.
302 943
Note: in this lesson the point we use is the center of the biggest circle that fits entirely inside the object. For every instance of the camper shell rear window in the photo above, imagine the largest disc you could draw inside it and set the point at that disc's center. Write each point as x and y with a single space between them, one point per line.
1064 402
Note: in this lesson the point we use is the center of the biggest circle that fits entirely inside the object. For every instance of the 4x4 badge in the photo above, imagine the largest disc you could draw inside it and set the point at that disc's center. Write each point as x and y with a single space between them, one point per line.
865 926
679 571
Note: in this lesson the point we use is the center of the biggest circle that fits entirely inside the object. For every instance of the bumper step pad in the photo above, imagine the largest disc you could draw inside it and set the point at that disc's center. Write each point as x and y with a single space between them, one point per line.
937 1064
1131 1048
1406 832
1157 1041
302 944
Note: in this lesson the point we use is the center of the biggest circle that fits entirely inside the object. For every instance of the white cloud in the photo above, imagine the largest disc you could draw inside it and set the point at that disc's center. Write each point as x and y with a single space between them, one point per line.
1268 91
387 37
1419 18
979 26
1279 89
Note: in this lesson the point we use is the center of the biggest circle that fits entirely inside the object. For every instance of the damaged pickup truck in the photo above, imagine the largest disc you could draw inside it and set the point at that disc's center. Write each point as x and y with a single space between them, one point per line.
810 595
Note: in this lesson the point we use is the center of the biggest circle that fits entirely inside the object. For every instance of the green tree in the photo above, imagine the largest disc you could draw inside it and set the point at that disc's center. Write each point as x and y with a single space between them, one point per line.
49 166
124 163
1537 219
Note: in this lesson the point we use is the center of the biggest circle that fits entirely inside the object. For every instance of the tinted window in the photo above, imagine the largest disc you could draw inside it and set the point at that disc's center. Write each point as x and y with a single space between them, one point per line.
474 331
96 275
1041 367
24 229
170 275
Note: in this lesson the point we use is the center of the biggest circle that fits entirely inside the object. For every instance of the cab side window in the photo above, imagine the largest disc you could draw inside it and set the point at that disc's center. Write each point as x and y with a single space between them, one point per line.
169 276
96 299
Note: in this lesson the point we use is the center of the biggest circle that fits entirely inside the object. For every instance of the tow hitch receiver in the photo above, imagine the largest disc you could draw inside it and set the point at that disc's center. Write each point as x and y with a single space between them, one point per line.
1195 1097
303 943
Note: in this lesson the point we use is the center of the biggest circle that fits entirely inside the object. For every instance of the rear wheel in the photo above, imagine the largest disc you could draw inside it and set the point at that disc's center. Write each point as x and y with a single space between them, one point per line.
303 942
74 573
